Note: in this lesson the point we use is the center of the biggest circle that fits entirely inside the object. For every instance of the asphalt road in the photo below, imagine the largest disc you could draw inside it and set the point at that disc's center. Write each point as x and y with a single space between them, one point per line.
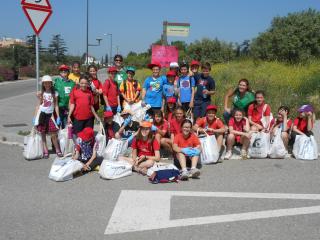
34 207
10 89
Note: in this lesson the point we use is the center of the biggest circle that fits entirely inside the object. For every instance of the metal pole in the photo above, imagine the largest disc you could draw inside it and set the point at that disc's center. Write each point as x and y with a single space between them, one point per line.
37 62
110 48
87 45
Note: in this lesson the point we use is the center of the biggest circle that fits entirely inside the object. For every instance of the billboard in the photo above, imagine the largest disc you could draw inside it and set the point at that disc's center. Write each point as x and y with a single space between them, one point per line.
177 29
164 54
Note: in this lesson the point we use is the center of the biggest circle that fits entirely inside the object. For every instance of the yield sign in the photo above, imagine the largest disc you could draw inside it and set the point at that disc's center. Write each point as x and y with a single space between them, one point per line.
37 17
37 3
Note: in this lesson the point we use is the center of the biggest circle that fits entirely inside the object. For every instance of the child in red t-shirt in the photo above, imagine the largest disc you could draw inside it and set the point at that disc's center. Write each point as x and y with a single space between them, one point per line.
211 125
257 111
95 85
175 123
284 123
111 92
238 133
161 129
187 147
81 106
145 149
170 108
303 124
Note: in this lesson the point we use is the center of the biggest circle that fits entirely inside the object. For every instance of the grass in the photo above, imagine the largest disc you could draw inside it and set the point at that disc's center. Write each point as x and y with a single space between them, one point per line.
291 85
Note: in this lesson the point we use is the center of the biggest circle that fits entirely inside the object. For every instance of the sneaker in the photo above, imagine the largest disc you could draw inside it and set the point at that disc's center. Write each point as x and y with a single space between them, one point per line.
184 175
244 155
194 173
288 155
228 155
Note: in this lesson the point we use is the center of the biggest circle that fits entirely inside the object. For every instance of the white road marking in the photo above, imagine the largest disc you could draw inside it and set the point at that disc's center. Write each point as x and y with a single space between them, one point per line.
149 210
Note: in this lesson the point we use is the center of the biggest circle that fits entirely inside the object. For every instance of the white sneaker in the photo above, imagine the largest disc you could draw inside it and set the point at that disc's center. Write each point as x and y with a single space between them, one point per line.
228 155
184 175
194 173
244 154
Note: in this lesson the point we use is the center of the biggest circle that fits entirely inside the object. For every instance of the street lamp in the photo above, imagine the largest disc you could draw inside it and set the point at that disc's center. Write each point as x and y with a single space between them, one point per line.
110 57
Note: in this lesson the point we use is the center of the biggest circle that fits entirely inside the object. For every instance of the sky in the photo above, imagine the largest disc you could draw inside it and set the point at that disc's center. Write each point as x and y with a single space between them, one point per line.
134 25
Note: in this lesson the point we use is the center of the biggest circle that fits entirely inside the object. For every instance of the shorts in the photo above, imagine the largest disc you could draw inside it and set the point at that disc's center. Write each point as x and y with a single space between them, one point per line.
79 125
46 124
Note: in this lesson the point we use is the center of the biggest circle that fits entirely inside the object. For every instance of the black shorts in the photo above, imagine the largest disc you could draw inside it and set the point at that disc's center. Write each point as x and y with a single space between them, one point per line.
185 106
79 125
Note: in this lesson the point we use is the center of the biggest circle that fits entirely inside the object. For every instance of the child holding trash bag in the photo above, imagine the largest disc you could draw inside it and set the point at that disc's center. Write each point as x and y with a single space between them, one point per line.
81 106
111 92
211 124
128 128
44 119
145 149
239 134
259 113
303 124
284 123
187 147
130 88
86 150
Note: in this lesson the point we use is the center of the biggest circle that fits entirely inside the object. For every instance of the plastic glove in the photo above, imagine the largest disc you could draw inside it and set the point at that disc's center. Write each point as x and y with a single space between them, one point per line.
108 108
130 139
33 121
154 128
118 109
195 152
127 121
147 117
186 151
58 121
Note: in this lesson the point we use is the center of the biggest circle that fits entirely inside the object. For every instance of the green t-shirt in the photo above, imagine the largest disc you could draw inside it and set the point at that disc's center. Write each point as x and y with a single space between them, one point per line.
242 103
120 77
64 89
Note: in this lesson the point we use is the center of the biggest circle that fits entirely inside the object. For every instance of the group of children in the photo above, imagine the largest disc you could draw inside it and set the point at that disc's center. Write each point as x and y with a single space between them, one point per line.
179 111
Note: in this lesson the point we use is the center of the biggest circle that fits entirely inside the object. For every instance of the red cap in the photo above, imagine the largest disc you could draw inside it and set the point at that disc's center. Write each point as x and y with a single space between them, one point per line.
195 62
171 100
112 69
211 107
64 67
86 134
171 73
107 114
154 64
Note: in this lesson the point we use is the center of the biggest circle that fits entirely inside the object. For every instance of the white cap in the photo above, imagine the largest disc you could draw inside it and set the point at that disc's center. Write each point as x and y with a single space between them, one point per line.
174 65
46 78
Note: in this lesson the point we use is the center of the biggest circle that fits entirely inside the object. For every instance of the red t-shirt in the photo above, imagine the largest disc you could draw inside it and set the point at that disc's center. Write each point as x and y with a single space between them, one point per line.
301 124
169 116
191 141
216 124
237 126
276 122
83 100
163 127
256 112
110 90
146 148
175 126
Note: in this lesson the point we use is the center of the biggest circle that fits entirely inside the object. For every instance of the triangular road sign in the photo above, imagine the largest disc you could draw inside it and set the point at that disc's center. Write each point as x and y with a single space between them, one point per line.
137 211
37 17
36 3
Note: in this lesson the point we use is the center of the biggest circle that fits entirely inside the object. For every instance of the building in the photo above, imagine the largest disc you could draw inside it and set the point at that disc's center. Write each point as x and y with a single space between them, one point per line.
7 42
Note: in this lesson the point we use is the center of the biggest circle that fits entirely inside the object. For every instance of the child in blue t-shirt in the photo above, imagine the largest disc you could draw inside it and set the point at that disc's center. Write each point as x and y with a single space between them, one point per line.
169 89
186 85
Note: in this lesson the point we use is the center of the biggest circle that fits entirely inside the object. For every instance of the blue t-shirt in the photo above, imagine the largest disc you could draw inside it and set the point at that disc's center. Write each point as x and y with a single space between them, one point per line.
204 83
185 84
154 88
168 90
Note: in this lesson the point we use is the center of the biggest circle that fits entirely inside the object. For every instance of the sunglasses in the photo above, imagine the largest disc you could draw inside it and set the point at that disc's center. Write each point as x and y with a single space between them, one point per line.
118 60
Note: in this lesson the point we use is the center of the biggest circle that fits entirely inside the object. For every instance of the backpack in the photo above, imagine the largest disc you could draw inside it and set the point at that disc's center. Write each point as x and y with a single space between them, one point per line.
165 176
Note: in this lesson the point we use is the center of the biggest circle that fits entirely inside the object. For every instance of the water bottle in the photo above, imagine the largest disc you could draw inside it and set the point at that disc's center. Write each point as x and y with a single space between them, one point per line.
70 131
203 94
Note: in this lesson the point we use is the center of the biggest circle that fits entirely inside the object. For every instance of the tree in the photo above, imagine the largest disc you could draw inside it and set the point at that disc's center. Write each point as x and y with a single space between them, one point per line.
293 38
58 48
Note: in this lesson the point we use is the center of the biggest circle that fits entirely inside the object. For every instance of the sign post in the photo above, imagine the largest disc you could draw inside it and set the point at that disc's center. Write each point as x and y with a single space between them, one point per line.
38 13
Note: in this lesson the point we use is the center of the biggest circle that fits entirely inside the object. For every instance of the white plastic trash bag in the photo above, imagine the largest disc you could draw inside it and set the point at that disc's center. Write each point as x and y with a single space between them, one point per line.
305 148
115 169
101 140
210 151
259 145
33 148
277 148
118 119
62 169
114 149
138 111
66 144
